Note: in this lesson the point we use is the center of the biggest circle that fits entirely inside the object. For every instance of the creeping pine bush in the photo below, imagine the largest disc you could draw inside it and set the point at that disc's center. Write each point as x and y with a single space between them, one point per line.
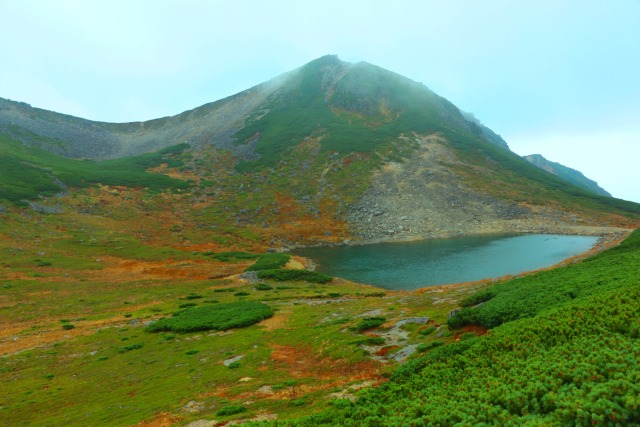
218 317
285 275
230 410
269 261
370 322
231 256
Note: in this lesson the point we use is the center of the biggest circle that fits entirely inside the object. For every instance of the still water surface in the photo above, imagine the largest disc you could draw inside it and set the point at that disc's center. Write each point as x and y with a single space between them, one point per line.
412 265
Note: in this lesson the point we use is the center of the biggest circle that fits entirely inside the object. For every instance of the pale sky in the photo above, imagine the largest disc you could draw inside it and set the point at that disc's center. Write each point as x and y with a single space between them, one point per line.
554 77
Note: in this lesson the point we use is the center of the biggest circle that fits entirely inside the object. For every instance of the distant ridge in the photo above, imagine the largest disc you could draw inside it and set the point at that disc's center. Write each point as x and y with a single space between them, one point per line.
570 175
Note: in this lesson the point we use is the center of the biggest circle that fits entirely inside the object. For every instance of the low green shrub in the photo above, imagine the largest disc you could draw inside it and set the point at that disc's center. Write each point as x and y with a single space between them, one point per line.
475 299
427 331
269 261
370 323
241 294
230 410
131 347
219 317
294 275
231 256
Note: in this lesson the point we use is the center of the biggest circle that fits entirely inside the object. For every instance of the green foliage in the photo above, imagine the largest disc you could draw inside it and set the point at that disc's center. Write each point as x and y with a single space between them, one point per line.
192 352
263 287
370 323
527 296
234 365
187 305
478 298
467 336
269 261
369 341
67 326
232 256
219 317
297 402
230 410
577 363
287 275
131 347
353 119
427 331
29 172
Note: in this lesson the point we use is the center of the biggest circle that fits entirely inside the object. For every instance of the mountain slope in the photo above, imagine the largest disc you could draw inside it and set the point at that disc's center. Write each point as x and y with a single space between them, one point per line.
356 106
79 138
328 152
570 175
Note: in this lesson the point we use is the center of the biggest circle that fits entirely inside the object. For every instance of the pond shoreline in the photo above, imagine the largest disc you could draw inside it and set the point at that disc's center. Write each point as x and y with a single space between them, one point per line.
606 241
606 233
606 237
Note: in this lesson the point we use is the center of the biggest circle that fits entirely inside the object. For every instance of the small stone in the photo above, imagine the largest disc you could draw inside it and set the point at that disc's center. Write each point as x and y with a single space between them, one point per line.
192 406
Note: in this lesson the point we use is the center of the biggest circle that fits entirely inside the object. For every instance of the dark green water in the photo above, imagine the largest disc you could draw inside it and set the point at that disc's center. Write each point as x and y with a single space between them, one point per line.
412 265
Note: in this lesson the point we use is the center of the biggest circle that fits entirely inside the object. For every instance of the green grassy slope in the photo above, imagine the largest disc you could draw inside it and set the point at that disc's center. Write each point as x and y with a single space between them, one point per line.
575 362
508 176
27 172
354 108
361 108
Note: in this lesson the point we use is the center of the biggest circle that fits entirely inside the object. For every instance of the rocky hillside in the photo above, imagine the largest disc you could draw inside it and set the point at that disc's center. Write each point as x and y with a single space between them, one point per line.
337 90
570 175
329 152
73 137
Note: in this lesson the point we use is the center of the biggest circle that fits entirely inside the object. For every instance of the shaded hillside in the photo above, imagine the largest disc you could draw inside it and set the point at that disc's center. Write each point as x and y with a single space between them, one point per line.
570 175
74 137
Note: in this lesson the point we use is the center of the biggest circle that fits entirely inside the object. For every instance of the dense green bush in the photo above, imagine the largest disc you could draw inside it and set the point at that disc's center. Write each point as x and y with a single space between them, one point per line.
269 261
370 323
478 298
294 275
230 410
219 317
232 256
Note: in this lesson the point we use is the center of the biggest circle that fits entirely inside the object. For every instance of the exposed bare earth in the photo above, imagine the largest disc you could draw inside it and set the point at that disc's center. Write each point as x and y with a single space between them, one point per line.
422 198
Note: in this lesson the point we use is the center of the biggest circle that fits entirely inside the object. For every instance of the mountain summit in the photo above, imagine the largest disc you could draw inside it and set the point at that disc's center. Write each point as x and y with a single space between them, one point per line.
355 106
